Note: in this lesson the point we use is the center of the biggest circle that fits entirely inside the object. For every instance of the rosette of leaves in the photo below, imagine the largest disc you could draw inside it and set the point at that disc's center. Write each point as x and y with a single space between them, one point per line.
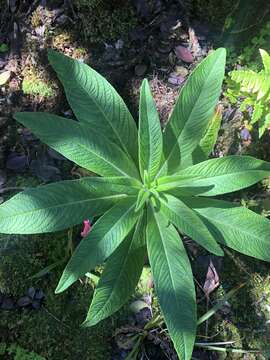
152 187
253 88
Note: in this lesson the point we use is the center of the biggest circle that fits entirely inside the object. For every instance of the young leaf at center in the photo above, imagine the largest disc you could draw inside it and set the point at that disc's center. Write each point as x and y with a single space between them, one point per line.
150 136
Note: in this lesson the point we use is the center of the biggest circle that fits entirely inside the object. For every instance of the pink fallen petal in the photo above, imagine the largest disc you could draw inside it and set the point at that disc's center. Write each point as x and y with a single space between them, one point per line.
86 228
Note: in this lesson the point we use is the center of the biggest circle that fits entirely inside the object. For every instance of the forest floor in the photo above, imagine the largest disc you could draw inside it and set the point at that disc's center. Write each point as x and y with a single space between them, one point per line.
159 43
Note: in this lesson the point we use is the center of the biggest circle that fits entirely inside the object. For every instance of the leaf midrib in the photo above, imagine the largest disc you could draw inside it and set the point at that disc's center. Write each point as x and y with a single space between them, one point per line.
119 275
104 159
190 115
171 272
121 196
200 178
228 224
207 235
66 275
102 112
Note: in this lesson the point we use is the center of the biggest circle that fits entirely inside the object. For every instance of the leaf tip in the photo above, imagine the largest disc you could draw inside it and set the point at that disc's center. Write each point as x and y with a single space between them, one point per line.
60 288
88 323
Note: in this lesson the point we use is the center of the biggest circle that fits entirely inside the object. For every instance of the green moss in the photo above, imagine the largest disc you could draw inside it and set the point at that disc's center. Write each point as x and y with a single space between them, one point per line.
54 331
245 323
103 21
18 353
32 86
64 39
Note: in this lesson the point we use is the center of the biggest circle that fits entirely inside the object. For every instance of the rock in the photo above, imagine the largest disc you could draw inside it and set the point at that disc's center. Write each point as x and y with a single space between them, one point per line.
175 79
45 172
184 54
24 301
181 70
36 304
16 161
140 69
245 134
143 316
7 304
31 292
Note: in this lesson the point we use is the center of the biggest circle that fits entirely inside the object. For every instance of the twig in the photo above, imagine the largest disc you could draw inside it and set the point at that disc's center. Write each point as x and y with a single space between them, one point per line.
55 318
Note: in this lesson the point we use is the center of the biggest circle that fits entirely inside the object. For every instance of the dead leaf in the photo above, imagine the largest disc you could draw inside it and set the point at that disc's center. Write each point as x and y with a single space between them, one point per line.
211 280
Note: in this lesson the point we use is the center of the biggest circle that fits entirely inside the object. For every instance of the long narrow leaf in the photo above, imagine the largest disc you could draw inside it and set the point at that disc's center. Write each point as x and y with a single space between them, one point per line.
107 234
235 226
222 175
79 142
150 137
209 139
94 101
60 205
188 222
173 282
120 276
191 114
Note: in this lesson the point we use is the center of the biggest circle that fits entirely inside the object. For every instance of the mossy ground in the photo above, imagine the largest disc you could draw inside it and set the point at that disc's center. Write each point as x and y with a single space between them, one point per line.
54 331
245 318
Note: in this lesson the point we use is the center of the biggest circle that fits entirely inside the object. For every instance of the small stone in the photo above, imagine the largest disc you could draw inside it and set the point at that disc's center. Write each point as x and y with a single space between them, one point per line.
140 69
143 316
24 301
31 292
7 304
36 304
175 79
245 134
16 161
184 54
181 70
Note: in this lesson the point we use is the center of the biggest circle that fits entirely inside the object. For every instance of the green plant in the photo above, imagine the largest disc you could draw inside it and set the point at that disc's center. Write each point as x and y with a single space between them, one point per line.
37 87
18 353
254 87
150 184
261 40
